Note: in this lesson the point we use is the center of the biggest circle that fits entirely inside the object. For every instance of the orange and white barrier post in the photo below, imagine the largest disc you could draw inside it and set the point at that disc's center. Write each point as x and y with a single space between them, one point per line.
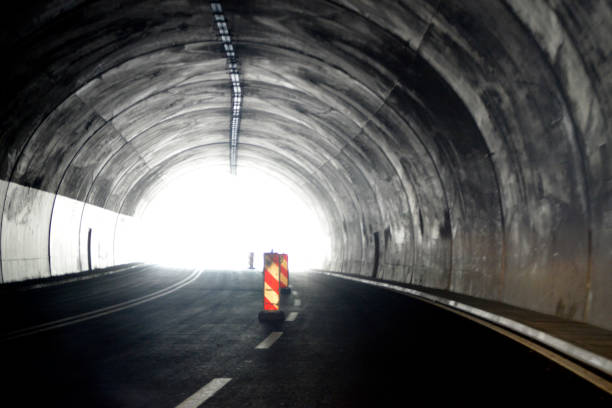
284 274
271 289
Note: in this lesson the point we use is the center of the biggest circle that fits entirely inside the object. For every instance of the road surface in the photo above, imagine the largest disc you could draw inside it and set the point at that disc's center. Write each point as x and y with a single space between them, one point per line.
159 337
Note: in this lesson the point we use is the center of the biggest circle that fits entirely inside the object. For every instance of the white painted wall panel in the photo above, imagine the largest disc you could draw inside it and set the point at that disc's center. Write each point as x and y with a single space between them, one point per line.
65 224
3 188
25 232
36 231
126 240
102 223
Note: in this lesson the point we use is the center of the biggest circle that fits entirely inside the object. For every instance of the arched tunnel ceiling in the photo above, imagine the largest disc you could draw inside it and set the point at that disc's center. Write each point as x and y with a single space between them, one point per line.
471 137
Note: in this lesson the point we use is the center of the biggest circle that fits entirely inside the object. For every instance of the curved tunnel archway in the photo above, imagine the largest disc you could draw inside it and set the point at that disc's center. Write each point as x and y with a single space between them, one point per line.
470 138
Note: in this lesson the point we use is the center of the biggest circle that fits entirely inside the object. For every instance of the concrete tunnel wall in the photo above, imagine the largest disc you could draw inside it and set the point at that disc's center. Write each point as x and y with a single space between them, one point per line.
47 235
469 139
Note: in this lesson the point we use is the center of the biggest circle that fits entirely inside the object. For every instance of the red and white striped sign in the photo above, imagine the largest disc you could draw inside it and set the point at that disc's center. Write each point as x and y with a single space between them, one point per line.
284 271
271 281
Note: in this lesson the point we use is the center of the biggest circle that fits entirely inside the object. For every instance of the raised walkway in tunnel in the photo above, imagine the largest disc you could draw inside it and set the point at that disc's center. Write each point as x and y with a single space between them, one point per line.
581 343
168 333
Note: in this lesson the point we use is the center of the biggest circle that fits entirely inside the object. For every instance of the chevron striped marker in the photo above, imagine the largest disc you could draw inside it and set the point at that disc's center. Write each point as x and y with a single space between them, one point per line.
284 274
271 286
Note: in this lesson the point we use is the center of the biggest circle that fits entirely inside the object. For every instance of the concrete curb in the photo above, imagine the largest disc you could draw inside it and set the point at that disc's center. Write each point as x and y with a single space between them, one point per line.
587 357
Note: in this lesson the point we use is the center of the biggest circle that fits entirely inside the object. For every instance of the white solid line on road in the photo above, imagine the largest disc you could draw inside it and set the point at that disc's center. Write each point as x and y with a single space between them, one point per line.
204 393
67 321
86 277
297 302
269 341
291 316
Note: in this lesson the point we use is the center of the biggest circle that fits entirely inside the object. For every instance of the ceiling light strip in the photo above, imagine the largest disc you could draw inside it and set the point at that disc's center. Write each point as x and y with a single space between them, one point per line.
234 74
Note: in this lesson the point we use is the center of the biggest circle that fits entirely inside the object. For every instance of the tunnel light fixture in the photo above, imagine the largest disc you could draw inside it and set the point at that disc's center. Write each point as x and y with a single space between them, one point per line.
234 74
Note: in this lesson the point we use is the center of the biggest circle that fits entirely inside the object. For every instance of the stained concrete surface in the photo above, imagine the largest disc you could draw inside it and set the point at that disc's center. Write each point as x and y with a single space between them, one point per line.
351 345
473 136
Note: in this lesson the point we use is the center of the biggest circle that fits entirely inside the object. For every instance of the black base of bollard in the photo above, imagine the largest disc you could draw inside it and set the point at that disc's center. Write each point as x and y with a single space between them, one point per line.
285 291
271 316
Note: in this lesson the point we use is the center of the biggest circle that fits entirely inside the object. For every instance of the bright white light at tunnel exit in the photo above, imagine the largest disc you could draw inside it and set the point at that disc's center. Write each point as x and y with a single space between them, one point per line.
210 219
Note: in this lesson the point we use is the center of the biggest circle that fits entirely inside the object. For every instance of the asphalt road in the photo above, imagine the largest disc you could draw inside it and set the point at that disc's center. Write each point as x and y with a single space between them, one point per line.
154 337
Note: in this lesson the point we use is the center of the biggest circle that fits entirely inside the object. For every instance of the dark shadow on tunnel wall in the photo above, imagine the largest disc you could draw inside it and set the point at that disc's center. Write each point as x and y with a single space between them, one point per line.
89 250
376 254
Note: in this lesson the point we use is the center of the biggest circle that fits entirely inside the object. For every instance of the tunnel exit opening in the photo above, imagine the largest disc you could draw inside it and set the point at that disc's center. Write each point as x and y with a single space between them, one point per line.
211 219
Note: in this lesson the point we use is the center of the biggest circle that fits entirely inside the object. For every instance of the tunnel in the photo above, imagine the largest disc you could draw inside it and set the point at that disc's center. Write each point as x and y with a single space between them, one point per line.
451 147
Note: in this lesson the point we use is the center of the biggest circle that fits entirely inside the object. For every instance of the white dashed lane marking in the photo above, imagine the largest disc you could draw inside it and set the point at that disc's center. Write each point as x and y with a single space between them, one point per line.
269 341
291 316
204 393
